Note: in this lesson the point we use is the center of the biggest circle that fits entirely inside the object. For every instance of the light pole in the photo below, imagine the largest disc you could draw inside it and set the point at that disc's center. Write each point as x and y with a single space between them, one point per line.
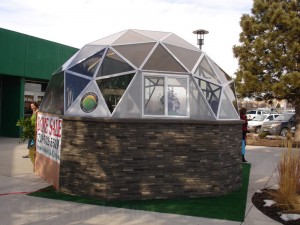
200 36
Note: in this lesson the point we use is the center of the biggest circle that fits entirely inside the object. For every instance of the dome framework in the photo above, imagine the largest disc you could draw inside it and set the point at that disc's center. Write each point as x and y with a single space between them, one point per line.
141 74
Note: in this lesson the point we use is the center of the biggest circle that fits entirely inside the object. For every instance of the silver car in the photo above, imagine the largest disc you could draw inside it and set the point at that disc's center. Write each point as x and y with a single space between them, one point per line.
255 124
280 125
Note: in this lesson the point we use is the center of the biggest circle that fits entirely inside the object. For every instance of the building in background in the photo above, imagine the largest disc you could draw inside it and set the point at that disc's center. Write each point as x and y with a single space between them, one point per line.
27 64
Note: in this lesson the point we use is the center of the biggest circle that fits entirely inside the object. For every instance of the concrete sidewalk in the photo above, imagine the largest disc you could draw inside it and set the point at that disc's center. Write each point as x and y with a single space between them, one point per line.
17 178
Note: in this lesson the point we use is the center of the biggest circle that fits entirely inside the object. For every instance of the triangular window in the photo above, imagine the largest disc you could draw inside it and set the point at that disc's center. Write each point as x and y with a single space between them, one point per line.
212 94
112 64
88 66
53 101
112 89
74 86
162 60
205 70
130 52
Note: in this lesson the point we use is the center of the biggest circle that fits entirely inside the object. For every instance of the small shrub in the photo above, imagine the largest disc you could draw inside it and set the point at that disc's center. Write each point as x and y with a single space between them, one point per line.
262 135
28 129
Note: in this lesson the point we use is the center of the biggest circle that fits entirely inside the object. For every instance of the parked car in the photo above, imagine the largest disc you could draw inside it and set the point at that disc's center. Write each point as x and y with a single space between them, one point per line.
280 125
293 130
251 114
255 124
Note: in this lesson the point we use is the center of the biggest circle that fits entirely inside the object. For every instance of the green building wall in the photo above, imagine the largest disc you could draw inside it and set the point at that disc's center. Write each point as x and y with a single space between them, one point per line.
24 57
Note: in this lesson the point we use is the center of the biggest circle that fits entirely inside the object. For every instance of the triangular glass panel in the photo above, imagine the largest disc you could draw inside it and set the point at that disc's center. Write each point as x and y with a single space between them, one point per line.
74 86
230 90
207 72
156 35
130 52
223 77
187 57
113 88
212 94
108 40
131 37
89 103
53 101
130 105
227 110
86 52
112 64
199 109
88 66
162 60
173 39
66 64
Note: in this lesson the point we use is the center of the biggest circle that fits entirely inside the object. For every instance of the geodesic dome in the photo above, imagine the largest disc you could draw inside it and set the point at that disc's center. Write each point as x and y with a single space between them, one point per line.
141 74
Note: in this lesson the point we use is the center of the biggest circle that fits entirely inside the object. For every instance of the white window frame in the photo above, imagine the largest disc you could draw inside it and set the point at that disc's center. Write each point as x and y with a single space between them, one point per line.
166 76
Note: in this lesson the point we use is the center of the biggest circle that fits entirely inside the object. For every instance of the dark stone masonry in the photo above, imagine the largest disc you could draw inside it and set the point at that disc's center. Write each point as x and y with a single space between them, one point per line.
124 159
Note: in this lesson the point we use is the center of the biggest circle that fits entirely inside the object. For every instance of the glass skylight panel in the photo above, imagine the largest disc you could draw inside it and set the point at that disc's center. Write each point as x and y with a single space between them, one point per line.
162 60
207 72
131 37
173 39
156 35
88 66
86 52
223 77
188 57
108 40
113 64
135 53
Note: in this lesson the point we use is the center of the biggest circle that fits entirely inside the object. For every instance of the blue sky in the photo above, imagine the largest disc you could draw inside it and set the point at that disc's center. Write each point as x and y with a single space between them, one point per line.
78 22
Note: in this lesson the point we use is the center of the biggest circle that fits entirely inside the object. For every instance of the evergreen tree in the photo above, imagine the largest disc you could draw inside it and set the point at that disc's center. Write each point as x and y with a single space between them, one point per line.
269 53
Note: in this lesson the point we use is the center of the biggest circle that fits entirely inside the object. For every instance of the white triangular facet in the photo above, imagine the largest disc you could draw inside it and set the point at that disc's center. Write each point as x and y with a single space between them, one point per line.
199 108
131 37
108 40
173 39
227 110
156 35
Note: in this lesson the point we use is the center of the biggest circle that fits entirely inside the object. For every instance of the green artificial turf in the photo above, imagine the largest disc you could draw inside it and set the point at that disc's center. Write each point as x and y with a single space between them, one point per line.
227 207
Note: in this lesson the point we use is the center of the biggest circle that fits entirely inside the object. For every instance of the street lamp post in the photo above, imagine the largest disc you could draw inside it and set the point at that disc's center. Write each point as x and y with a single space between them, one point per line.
200 37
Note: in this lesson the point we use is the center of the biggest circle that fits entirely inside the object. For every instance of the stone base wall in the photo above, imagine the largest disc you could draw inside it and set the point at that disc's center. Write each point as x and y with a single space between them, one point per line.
122 159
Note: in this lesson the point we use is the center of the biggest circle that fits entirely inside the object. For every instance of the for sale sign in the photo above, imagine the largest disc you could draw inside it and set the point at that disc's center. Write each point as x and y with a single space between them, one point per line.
48 141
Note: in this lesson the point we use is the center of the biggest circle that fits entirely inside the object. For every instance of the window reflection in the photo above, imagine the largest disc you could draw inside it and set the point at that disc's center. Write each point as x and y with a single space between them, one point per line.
113 88
175 104
154 96
88 66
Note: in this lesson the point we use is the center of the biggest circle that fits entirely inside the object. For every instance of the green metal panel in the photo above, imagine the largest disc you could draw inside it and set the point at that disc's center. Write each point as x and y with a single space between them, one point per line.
23 57
31 57
10 107
40 58
12 53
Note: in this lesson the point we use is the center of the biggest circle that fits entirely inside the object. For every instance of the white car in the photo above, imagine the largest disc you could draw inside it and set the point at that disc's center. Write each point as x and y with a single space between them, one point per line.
251 114
255 124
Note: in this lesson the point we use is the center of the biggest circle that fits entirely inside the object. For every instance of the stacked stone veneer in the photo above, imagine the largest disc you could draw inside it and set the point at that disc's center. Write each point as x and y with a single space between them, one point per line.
149 158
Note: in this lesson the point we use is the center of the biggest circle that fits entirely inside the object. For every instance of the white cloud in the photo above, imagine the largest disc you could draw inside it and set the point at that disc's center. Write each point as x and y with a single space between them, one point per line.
78 22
